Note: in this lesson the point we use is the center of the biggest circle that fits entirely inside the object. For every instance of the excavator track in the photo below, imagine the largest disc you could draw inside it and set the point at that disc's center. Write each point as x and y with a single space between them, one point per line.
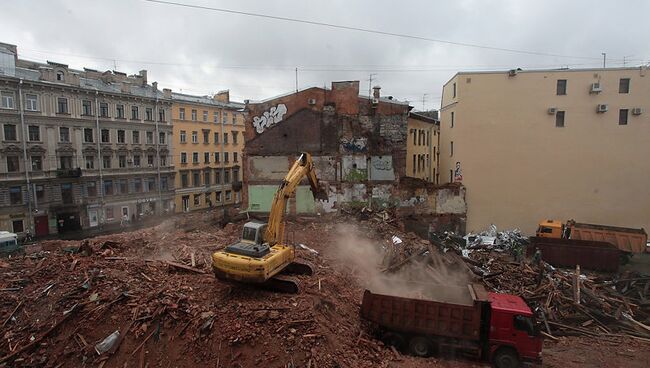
299 268
282 284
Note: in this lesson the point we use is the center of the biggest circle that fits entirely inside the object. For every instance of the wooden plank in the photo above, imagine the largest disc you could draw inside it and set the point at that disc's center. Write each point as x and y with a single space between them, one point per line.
184 267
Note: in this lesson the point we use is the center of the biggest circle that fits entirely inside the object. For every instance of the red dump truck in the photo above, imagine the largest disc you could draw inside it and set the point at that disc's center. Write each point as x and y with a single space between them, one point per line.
498 328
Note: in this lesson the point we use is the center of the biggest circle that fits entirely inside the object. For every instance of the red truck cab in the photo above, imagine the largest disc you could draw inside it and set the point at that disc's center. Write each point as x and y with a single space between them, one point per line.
513 335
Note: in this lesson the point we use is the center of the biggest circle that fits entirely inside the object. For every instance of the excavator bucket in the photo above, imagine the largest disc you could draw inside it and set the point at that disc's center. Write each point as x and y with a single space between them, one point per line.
320 193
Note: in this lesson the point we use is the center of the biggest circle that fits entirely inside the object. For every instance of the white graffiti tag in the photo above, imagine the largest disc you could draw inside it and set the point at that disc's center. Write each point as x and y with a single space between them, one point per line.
269 118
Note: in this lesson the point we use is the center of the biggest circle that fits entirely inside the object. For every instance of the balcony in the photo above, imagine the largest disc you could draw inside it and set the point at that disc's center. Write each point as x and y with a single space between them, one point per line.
68 173
237 185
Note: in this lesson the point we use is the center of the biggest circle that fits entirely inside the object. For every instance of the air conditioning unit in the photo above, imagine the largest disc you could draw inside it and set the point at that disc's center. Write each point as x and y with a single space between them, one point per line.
637 111
602 108
311 101
595 88
552 110
512 72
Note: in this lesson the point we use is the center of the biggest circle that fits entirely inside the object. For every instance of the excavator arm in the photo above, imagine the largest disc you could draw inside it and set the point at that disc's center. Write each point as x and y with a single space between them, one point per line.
304 166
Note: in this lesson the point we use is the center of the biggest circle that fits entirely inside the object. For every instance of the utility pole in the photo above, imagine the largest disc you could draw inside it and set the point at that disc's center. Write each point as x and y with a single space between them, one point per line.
604 59
424 98
296 80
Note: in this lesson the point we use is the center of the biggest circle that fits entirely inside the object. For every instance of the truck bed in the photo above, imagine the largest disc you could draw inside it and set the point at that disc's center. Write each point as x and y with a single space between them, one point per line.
456 311
624 238
593 255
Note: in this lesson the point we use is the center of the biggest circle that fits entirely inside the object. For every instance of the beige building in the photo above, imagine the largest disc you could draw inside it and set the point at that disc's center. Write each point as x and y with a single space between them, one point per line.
532 145
422 146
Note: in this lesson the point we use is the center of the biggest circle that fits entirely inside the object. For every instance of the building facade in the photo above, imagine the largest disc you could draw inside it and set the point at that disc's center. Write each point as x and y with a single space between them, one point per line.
422 147
208 139
80 148
540 144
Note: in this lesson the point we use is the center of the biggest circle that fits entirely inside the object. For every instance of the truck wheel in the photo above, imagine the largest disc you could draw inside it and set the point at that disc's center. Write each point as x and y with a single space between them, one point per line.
420 346
394 339
506 358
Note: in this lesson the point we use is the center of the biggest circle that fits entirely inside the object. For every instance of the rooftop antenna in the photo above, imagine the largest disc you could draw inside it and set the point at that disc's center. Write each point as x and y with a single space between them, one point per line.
370 84
424 98
624 59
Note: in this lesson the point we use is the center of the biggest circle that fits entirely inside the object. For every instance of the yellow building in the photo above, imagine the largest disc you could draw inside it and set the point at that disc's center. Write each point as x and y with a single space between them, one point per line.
549 144
208 143
422 147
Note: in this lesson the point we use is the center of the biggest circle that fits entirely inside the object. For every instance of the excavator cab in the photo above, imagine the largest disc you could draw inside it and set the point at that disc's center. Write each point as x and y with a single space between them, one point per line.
252 242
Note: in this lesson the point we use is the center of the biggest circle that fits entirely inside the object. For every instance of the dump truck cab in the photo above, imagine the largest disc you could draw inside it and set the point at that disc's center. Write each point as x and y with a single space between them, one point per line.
550 229
514 336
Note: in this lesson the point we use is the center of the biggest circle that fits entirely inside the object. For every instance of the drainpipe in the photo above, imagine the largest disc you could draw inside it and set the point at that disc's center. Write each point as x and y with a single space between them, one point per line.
157 141
30 224
99 163
222 173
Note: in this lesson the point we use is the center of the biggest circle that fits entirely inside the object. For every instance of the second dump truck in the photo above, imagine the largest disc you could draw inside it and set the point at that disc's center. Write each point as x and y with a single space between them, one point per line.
493 327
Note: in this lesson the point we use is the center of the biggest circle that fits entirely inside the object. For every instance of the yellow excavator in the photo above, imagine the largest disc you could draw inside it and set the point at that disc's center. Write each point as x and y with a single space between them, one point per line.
262 253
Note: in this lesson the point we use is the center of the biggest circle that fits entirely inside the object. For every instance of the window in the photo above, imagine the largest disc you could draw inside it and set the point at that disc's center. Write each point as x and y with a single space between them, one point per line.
150 160
234 157
18 226
235 175
193 115
206 157
161 137
451 176
206 136
90 162
10 132
181 113
413 164
137 185
195 157
31 102
183 136
228 195
523 323
134 113
7 100
123 186
196 179
453 90
108 187
206 178
59 76
91 189
207 196
86 108
121 136
215 117
624 85
121 161
106 162
103 109
559 119
120 111
216 157
15 195
184 182
135 137
195 137
197 199
161 115
561 87
205 115
183 158
109 213
37 163
40 192
225 117
217 176
218 196
13 164
622 117
225 138
34 133
88 135
62 105
136 160
163 183
226 176
451 148
64 134
216 138
151 184
225 157
106 136
66 193
149 137
453 119
65 162
148 114
163 160
235 135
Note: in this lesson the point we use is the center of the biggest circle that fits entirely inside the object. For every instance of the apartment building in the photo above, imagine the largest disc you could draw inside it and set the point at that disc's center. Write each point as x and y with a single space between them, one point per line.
539 144
80 148
422 146
208 139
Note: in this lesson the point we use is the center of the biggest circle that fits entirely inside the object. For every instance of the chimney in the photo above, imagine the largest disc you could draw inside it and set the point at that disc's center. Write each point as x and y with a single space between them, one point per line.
154 85
126 87
167 93
375 91
143 74
222 96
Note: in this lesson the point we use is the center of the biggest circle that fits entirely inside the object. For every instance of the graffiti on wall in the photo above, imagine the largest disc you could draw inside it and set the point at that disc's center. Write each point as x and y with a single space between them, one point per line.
269 118
354 144
458 173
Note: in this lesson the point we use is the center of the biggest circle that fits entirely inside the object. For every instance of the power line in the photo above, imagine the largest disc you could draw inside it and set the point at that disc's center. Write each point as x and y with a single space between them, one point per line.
366 30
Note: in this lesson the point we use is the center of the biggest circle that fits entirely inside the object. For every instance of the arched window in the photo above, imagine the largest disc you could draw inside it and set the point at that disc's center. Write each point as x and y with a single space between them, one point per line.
59 76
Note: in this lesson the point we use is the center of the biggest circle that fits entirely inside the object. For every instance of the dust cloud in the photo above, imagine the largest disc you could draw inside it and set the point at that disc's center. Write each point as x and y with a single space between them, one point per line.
430 276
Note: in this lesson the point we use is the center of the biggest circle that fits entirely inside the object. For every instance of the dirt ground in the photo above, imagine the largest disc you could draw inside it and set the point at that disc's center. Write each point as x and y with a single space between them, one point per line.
60 300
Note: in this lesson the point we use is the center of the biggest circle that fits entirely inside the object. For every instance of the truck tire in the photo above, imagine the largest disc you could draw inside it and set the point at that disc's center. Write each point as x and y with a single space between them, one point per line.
420 346
506 358
394 339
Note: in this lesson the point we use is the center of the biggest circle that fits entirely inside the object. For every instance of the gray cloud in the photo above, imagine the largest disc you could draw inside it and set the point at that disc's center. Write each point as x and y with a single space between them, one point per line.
199 51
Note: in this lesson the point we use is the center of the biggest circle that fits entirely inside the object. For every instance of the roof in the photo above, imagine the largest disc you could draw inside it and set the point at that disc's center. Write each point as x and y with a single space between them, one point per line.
382 99
509 303
424 118
206 100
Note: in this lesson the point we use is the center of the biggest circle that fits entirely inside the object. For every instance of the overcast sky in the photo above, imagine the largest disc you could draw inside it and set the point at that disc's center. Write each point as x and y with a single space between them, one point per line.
202 51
